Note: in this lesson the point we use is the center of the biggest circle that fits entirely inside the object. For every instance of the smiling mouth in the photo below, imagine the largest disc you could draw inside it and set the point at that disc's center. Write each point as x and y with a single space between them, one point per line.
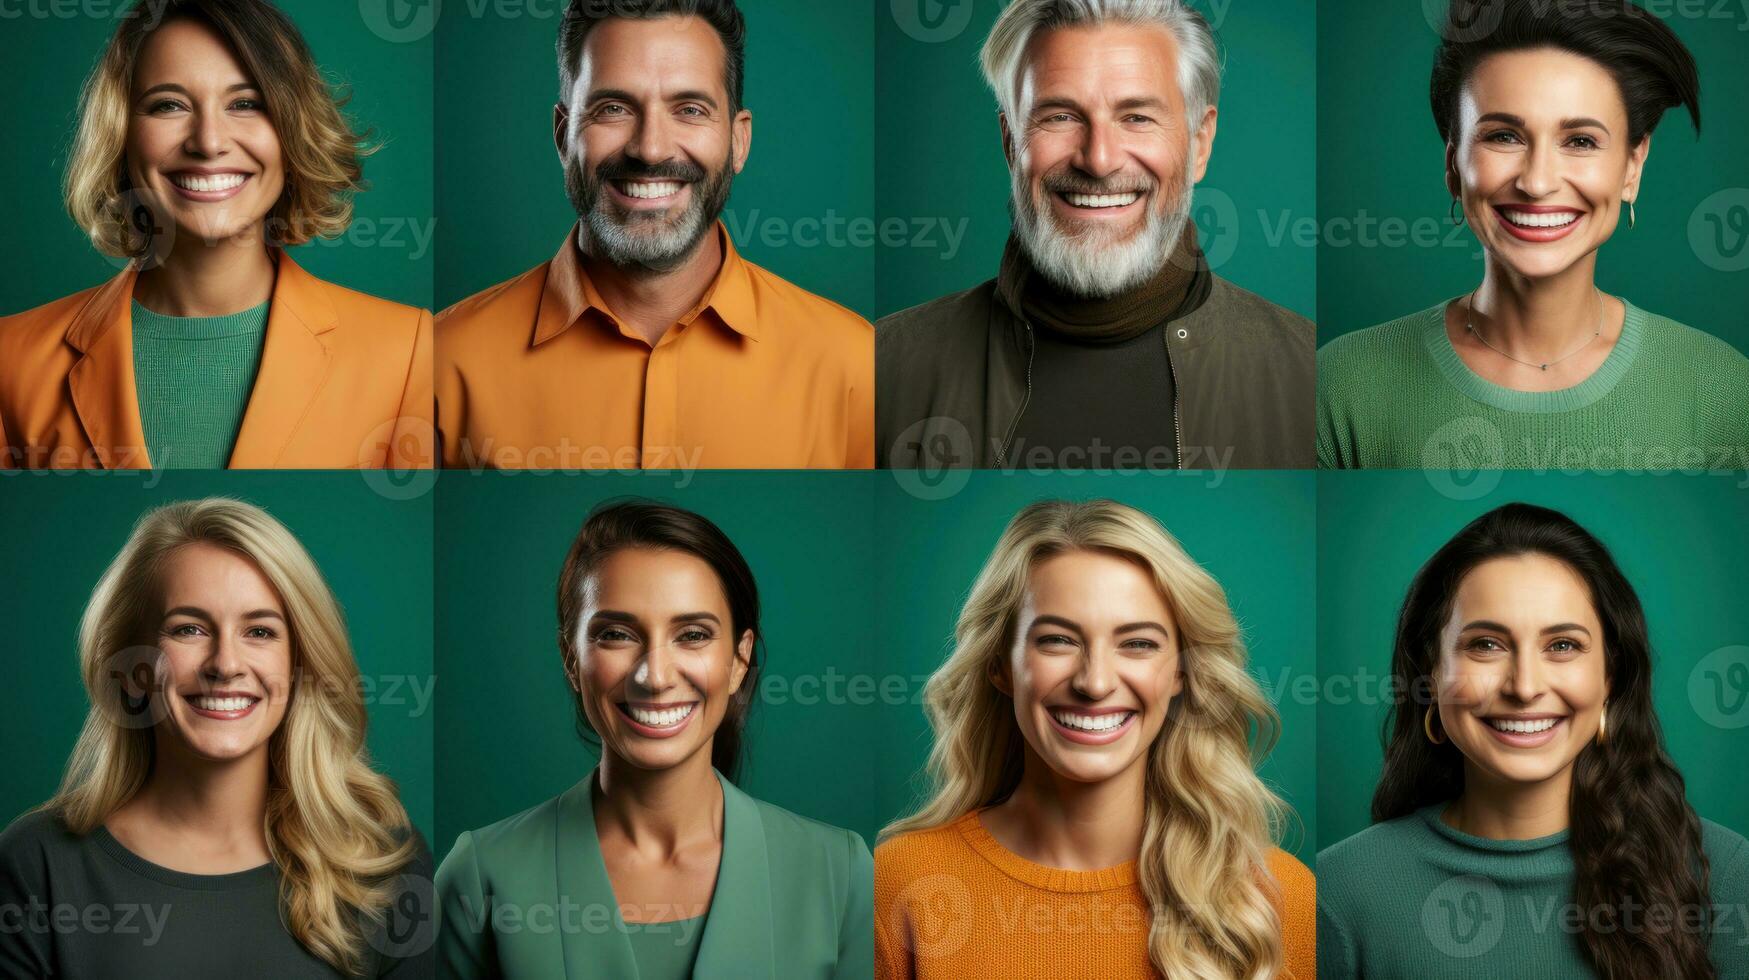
649 190
208 183
659 716
1102 722
1515 726
1535 219
1099 202
226 708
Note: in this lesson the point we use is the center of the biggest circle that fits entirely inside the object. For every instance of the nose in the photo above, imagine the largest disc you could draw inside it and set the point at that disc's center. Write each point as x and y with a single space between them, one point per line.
224 660
658 671
1094 676
1525 680
653 139
1540 175
1098 154
206 134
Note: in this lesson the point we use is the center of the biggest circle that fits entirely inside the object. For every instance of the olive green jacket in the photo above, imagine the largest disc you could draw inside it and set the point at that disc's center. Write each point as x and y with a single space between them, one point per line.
529 897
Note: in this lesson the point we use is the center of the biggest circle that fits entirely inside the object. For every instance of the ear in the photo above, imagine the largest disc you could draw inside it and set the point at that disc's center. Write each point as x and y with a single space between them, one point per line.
572 675
1000 677
741 130
561 123
743 661
1007 139
1636 167
1453 185
1205 145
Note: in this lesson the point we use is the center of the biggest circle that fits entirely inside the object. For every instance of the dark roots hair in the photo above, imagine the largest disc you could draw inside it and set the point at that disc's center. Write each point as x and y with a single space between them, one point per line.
583 16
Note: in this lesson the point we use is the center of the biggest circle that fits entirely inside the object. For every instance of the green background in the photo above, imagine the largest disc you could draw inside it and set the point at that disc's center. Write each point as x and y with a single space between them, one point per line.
47 256
1379 153
1251 530
940 149
508 739
1682 542
501 190
62 531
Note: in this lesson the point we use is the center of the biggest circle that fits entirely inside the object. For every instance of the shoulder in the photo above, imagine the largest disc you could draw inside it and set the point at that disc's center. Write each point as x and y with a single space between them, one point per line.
48 321
821 316
1396 340
372 320
820 841
518 297
1238 305
1727 854
29 842
1298 886
1357 861
964 313
518 838
915 853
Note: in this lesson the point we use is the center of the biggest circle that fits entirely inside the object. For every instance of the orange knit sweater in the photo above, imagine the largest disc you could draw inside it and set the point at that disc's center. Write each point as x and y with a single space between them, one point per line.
951 903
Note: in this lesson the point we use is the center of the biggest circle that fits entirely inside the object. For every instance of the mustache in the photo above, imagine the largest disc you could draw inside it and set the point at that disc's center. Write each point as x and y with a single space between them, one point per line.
622 168
1074 182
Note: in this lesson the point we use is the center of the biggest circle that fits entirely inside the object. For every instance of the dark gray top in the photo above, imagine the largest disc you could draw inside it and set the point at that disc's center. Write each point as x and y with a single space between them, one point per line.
1098 406
79 907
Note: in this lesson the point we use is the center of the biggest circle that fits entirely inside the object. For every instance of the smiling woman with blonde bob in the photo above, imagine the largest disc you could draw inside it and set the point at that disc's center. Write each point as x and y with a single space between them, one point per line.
221 777
208 142
1149 840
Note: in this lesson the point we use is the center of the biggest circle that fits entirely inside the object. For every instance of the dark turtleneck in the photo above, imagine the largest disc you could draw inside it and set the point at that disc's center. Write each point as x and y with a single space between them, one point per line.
1101 381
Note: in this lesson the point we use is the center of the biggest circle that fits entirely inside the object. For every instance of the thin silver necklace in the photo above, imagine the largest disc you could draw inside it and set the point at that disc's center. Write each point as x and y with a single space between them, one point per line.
1469 324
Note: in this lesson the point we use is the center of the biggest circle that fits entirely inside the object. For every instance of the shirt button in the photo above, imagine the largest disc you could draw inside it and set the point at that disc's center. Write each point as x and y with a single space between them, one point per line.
1183 333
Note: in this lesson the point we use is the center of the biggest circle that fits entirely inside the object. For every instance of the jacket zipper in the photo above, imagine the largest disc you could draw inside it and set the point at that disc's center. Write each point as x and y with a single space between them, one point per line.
1031 347
1177 431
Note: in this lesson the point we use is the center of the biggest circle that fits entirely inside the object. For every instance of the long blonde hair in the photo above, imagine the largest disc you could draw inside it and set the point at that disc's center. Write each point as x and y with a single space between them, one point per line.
1210 821
335 827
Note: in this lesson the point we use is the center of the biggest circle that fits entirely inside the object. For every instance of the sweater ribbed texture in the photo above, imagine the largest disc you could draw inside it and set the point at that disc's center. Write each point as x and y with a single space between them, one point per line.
952 903
1398 395
194 375
1415 898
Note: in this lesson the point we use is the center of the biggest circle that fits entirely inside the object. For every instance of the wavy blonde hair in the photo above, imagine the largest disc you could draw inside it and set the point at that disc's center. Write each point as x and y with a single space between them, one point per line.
1210 821
335 827
322 152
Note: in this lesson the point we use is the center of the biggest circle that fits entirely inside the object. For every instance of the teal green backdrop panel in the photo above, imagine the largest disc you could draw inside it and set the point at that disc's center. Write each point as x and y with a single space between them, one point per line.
508 738
63 529
1253 531
50 48
801 208
1682 541
1389 249
940 171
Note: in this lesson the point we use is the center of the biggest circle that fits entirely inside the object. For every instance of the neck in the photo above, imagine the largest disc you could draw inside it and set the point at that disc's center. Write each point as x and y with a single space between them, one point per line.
650 301
1537 319
657 810
198 279
1062 823
1501 810
221 802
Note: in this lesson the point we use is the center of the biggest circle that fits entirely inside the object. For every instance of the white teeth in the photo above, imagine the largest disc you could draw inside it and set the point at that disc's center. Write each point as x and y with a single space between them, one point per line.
1525 219
1092 723
1523 727
223 704
650 191
1101 200
660 719
217 182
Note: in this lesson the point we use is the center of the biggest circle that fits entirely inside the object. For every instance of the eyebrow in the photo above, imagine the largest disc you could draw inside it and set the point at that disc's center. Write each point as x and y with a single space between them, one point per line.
621 95
175 87
1488 624
633 619
1068 624
200 613
1575 122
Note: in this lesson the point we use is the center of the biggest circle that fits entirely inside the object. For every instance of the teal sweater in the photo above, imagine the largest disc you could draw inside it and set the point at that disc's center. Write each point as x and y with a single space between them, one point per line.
193 375
1414 899
1668 397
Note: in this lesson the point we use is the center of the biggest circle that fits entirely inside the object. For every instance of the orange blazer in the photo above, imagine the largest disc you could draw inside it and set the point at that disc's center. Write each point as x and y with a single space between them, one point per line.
344 382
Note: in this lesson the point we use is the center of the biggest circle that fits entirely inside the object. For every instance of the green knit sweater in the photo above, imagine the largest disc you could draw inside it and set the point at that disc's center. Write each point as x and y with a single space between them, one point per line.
194 375
1668 397
1414 899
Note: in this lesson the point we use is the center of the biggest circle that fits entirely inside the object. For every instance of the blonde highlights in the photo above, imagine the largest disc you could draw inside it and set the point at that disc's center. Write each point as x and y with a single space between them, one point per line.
1210 821
334 826
322 153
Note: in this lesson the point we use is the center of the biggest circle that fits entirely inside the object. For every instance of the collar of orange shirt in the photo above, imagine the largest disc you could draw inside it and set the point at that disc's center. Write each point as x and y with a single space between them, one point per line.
569 294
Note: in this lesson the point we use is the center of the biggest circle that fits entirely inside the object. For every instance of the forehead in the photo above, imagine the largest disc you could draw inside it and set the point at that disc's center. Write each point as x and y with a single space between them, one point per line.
206 574
1089 585
1529 590
635 579
1542 84
1102 63
653 55
187 51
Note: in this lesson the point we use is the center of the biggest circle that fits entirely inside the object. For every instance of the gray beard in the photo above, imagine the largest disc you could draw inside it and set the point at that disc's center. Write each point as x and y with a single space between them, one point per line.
1090 265
649 242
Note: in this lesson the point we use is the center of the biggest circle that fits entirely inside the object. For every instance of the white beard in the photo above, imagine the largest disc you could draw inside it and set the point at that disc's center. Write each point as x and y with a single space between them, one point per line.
1089 264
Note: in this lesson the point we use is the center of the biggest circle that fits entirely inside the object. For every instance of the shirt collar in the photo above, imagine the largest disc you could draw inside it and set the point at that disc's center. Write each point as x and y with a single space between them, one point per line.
569 294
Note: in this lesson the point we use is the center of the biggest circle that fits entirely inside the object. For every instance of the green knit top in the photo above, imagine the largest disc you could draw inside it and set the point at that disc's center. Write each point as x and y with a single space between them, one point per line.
1668 397
1415 898
666 950
193 375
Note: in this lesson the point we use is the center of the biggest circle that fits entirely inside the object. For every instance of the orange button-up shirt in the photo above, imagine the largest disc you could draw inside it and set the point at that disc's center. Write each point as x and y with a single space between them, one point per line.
537 373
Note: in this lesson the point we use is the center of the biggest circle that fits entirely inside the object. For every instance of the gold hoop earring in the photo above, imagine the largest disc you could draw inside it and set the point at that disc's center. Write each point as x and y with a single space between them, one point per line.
1427 726
1603 724
1452 212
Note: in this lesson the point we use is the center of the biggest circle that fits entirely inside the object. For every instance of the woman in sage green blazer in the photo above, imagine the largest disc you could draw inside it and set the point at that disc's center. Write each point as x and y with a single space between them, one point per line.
655 866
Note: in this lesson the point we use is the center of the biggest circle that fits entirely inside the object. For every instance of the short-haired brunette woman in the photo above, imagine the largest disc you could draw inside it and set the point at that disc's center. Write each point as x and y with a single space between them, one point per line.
207 140
220 796
1547 120
1095 808
656 865
1528 822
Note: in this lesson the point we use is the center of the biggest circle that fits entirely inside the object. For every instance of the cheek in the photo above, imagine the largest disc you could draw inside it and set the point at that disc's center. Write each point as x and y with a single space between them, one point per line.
1466 684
